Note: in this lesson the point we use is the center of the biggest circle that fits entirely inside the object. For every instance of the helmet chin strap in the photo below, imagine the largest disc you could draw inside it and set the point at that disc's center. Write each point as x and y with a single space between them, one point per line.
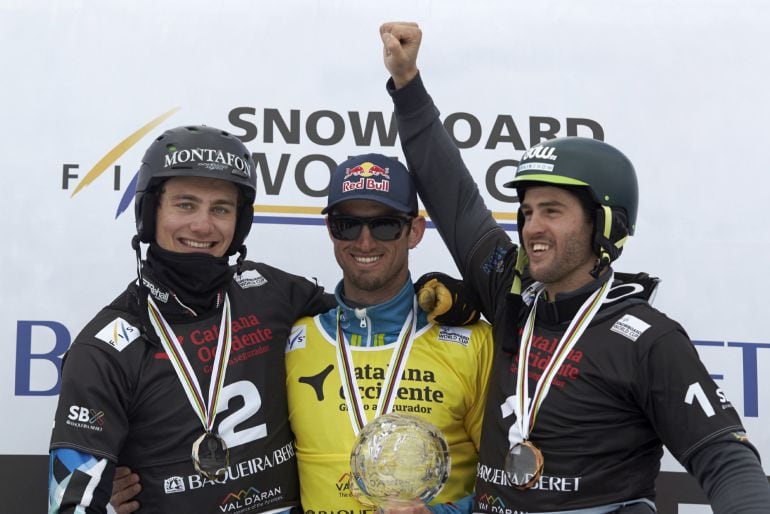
141 297
610 234
522 259
240 259
602 263
138 250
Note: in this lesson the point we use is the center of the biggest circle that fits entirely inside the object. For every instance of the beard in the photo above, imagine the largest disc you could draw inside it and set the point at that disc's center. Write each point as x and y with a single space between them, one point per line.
367 281
569 264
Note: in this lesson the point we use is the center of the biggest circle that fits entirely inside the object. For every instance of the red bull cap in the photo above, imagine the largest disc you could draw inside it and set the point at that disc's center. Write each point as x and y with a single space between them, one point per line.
373 177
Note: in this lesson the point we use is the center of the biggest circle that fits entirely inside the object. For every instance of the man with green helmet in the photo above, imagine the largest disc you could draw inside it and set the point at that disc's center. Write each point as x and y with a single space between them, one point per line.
589 381
600 178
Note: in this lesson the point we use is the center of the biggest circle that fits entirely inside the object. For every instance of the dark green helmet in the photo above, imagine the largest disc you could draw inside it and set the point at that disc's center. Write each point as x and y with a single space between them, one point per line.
580 161
595 166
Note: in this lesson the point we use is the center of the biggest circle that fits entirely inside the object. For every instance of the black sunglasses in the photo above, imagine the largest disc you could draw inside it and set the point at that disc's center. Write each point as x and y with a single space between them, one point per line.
382 228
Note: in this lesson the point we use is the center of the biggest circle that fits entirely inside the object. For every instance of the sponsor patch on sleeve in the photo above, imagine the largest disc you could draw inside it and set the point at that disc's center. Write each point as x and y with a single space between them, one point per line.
494 263
630 326
457 335
250 278
118 334
297 338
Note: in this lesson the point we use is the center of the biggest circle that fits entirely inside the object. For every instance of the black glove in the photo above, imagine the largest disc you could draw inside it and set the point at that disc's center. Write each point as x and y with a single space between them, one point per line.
446 300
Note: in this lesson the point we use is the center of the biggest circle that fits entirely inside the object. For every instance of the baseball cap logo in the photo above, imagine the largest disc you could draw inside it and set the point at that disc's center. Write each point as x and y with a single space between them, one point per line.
367 169
366 176
373 177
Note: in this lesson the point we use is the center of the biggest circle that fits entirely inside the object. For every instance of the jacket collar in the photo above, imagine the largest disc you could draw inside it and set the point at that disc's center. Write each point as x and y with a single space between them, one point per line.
566 305
373 325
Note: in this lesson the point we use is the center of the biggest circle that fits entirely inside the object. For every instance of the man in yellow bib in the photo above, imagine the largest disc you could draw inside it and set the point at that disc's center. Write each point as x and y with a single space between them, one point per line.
376 351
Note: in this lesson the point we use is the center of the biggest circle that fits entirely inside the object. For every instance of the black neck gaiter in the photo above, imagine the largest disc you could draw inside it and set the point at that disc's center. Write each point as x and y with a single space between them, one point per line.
195 278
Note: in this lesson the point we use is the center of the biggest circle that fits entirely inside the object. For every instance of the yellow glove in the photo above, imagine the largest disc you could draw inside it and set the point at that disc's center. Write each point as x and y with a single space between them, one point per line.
434 299
446 300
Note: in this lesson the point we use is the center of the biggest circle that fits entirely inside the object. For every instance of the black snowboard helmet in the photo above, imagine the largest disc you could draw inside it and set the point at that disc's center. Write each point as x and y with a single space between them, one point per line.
195 151
586 165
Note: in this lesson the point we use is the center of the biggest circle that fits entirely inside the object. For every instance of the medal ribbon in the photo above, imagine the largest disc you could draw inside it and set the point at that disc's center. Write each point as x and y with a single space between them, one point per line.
392 376
206 410
525 409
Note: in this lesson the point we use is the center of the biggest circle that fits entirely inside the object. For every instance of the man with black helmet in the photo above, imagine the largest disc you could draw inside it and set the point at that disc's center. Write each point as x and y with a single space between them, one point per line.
589 381
182 376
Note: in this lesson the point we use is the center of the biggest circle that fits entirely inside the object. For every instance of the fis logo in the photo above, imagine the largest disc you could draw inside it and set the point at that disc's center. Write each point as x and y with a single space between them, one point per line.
118 334
297 339
109 159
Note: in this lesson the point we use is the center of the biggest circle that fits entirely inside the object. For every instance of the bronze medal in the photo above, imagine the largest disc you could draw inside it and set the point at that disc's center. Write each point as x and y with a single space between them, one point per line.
524 465
210 456
524 461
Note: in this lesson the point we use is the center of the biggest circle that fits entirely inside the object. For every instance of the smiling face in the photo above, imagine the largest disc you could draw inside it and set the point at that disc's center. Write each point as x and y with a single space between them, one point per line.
374 271
196 215
557 237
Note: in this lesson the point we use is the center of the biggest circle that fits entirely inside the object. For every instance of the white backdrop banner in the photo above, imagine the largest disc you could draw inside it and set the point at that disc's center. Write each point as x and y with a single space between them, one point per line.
86 86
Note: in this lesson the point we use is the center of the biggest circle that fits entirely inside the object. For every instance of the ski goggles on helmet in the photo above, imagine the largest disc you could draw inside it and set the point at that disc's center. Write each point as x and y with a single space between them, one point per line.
382 228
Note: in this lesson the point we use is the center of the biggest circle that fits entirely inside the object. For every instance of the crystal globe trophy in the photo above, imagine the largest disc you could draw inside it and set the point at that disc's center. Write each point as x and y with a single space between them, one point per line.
399 460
